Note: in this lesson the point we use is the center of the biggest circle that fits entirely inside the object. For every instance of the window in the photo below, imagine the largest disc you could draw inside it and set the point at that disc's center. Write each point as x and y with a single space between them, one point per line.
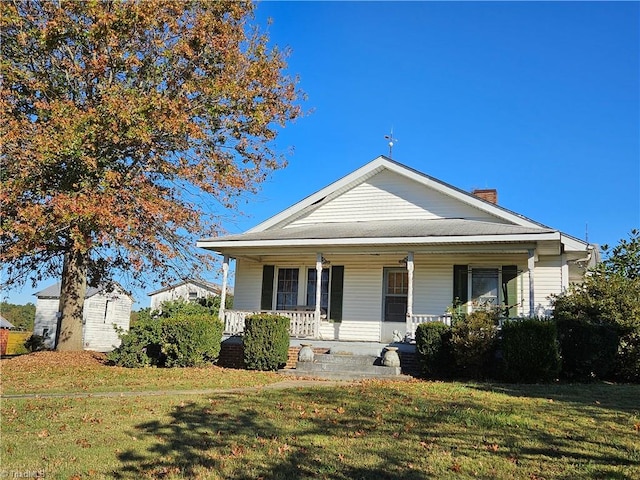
193 296
324 289
482 287
396 285
287 288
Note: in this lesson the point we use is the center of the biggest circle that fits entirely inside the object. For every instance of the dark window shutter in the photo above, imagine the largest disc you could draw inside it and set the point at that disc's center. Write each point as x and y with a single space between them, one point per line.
337 283
510 290
268 274
460 283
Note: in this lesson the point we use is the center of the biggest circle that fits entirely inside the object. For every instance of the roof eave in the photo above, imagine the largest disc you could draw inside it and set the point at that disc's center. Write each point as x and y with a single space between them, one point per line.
221 246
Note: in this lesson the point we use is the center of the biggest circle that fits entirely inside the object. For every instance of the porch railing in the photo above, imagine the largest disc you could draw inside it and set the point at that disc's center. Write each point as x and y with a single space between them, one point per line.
302 322
416 319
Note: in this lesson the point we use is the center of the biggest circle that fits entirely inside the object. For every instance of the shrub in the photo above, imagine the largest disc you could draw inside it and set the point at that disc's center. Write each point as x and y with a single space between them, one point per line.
35 343
140 346
266 342
191 340
627 368
588 349
433 345
530 350
473 341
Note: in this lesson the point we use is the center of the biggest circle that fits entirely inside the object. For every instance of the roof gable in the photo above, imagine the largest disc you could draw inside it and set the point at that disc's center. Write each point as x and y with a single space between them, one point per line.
390 196
385 189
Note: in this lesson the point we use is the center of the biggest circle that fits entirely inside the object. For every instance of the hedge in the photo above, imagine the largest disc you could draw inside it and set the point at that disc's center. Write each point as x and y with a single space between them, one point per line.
266 342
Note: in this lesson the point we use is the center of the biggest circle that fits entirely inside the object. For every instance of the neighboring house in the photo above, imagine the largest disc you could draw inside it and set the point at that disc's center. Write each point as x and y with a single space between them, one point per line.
188 290
5 324
394 248
103 308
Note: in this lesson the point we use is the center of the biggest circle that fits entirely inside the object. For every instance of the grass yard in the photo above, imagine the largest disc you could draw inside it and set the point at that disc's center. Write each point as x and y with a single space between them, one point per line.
55 372
369 430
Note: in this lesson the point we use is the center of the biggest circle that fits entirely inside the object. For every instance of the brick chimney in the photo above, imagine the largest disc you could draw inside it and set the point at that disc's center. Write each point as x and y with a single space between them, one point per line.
488 194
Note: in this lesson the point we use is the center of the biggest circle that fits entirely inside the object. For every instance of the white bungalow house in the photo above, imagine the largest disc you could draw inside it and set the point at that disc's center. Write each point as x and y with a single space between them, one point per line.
393 248
104 310
187 290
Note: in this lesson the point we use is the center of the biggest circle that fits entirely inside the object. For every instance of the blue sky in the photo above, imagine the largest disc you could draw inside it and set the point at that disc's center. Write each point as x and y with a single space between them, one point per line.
539 100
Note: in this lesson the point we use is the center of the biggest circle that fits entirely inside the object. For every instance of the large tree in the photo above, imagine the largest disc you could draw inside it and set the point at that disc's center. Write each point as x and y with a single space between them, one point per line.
128 128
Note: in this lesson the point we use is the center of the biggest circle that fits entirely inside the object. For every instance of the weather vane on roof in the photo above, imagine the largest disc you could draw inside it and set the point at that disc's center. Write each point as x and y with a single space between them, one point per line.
391 140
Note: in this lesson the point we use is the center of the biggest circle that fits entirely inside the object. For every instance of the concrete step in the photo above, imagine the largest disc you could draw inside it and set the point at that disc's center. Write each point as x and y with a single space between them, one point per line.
343 366
345 359
346 376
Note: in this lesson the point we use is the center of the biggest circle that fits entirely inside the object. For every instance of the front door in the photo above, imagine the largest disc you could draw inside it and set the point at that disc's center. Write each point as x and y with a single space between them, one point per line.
396 287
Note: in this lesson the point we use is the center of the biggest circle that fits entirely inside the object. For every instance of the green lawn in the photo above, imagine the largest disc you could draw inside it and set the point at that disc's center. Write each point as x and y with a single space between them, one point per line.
371 430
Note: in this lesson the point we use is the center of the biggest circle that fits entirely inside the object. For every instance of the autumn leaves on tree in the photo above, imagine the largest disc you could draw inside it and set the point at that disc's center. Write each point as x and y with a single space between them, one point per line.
128 128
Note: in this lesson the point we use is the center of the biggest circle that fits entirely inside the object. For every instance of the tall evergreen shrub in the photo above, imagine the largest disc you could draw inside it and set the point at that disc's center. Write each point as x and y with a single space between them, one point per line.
191 340
474 341
266 342
530 350
433 345
588 349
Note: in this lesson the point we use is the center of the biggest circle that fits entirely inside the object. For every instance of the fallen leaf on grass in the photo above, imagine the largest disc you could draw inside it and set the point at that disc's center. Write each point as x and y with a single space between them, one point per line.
83 443
44 433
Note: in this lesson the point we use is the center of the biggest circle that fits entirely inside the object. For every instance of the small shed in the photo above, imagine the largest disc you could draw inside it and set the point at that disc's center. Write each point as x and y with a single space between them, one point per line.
107 308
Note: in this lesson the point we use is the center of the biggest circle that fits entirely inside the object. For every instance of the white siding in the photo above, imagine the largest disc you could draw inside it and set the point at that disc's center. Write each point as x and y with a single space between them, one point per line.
389 196
179 292
46 318
249 276
547 282
101 313
98 331
363 287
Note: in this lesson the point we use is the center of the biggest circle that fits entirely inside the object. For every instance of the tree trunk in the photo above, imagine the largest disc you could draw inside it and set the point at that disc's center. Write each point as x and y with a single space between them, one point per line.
72 293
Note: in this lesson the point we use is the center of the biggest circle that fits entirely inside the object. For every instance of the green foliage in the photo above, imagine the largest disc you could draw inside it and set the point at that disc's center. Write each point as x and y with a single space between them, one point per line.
433 345
473 341
141 345
608 299
21 316
624 259
179 334
530 350
191 340
588 349
627 366
266 342
35 343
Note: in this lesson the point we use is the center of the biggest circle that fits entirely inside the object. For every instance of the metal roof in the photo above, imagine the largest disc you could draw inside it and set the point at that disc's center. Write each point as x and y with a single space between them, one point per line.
450 227
53 291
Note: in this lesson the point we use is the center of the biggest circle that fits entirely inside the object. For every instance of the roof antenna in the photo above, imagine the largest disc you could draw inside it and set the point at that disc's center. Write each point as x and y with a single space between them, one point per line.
391 140
586 232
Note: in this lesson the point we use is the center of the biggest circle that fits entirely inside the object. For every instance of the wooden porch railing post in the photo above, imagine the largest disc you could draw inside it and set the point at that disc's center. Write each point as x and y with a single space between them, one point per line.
410 292
316 326
223 293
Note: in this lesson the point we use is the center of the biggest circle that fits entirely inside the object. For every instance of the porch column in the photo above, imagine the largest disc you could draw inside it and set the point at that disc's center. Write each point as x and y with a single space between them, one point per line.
223 294
531 262
409 290
316 327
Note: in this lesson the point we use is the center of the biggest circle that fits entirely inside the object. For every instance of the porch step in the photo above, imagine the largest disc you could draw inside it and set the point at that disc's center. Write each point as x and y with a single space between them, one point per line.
346 367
